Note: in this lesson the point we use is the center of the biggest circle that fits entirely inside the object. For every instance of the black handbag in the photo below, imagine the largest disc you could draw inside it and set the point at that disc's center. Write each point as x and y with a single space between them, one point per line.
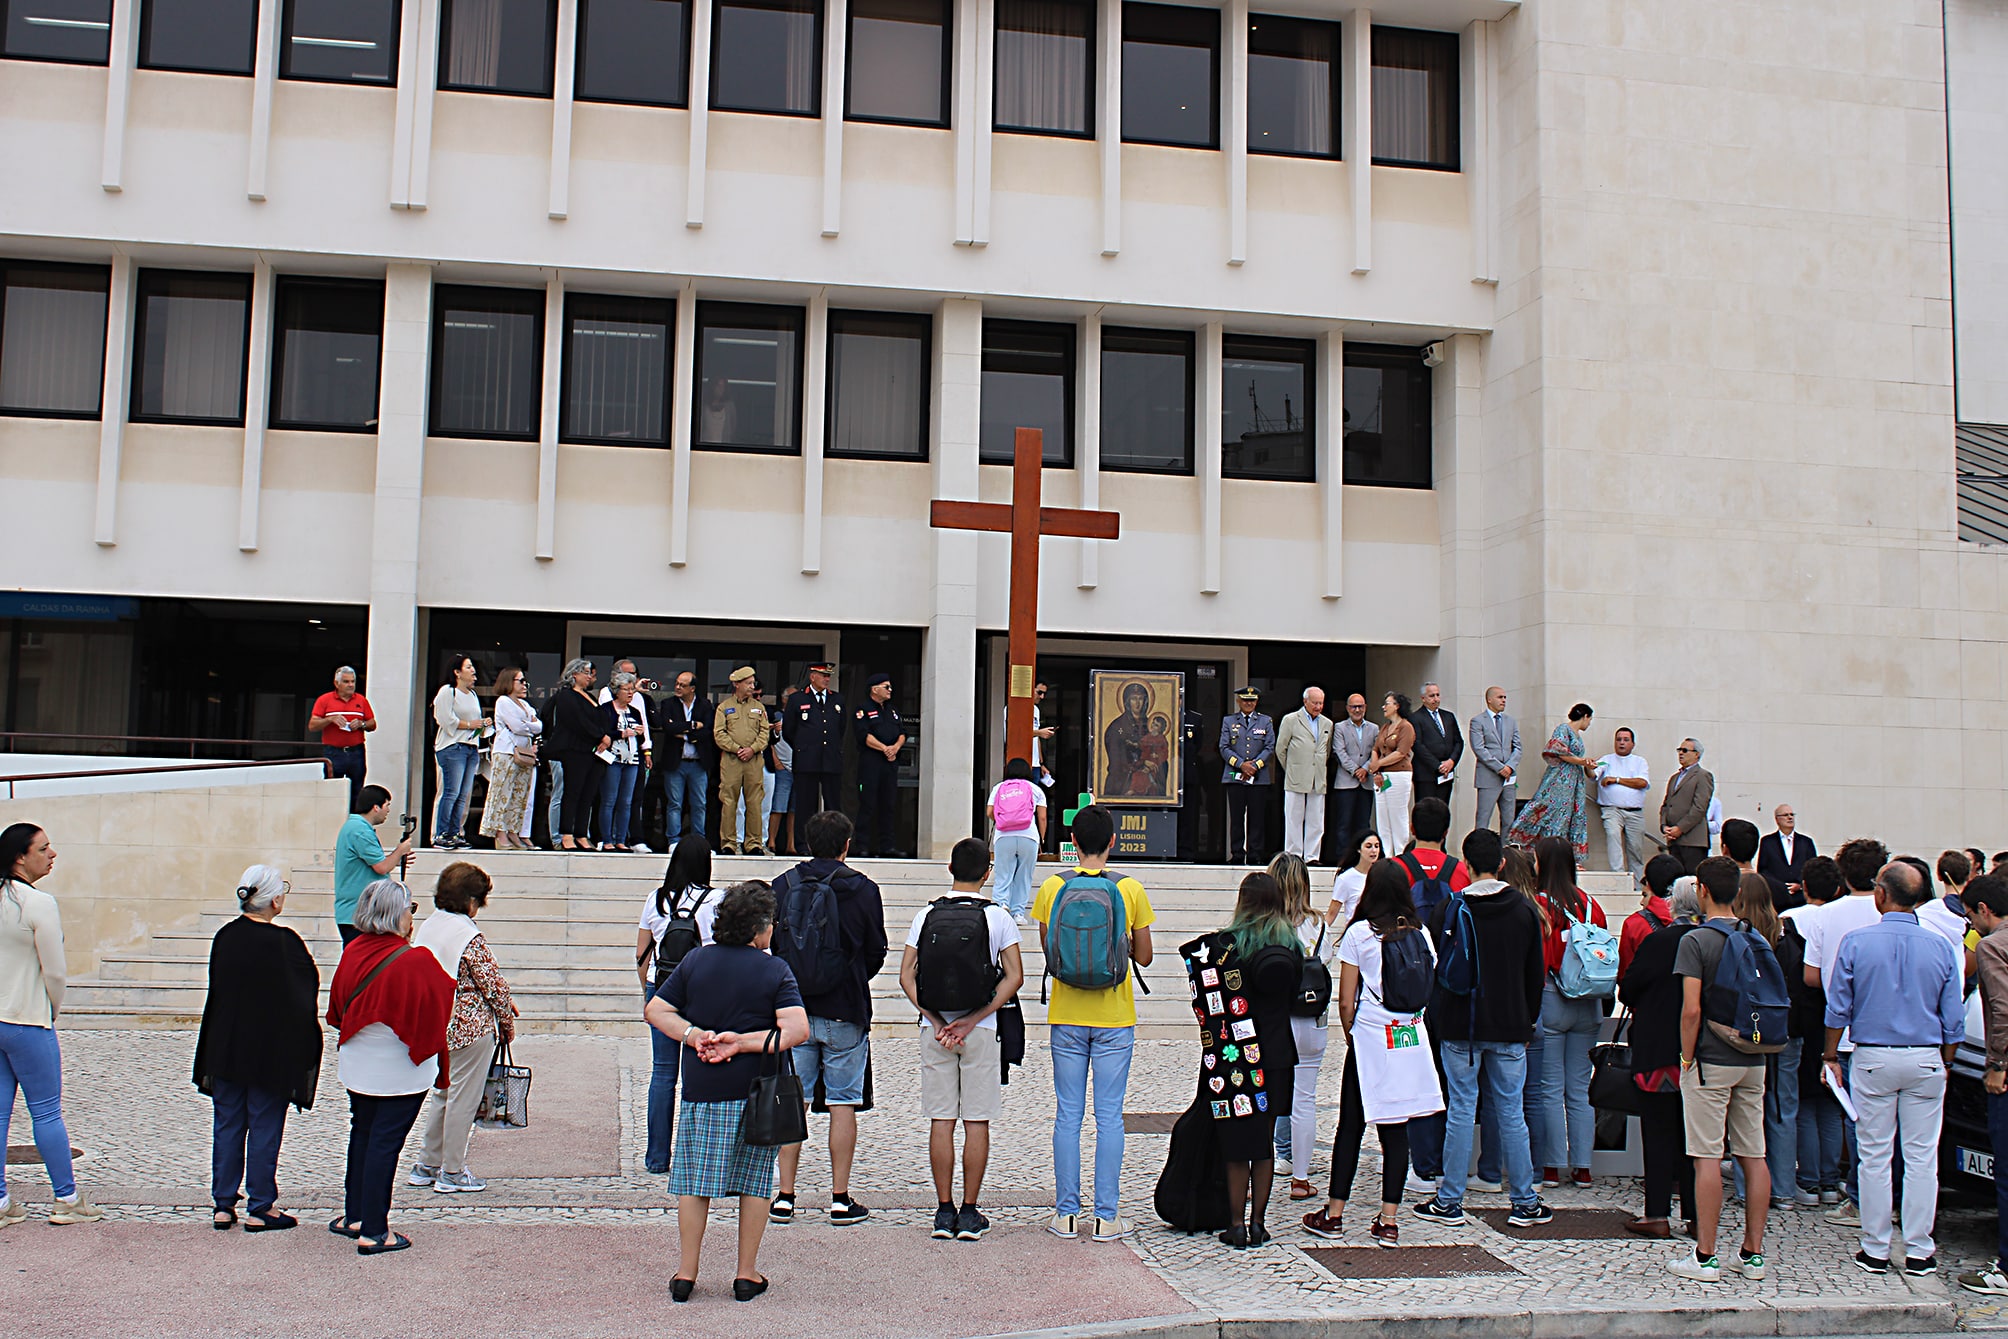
774 1113
1611 1086
1314 989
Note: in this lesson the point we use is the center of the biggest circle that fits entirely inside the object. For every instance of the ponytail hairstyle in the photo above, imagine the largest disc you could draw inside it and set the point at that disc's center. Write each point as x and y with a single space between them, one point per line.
14 844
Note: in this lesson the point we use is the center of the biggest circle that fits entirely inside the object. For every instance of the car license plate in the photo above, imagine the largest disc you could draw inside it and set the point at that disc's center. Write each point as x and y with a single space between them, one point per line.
1975 1164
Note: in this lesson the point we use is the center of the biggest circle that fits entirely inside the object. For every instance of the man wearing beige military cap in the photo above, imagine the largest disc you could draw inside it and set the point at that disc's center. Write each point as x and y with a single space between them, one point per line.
741 730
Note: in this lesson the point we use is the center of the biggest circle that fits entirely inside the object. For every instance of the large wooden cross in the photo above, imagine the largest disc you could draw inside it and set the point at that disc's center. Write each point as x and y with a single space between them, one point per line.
1025 521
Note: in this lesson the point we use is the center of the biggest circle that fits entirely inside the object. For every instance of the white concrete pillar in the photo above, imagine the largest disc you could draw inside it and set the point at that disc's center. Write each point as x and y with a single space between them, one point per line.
1457 442
815 419
1331 458
1475 62
1109 122
1234 129
117 398
1209 406
835 30
1088 442
948 657
563 70
392 667
118 92
264 74
700 113
1356 127
257 405
547 426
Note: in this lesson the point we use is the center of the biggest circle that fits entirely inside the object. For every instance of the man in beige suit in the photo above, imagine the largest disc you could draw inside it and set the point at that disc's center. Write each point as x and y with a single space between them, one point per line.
1303 755
1683 814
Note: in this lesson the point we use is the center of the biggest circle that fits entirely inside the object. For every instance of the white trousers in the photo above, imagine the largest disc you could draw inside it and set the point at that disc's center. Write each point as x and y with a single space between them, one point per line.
1303 824
1899 1094
1391 812
1310 1038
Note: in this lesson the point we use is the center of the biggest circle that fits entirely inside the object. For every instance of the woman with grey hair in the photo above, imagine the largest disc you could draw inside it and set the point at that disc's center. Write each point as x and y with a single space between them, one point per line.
622 717
1653 993
259 1048
390 1004
577 737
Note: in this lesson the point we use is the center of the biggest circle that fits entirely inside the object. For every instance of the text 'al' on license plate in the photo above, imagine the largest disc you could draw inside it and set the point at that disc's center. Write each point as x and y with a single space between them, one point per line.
1976 1164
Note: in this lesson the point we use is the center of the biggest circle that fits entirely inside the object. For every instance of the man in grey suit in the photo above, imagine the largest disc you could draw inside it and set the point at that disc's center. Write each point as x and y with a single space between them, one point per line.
1349 804
1683 814
1495 742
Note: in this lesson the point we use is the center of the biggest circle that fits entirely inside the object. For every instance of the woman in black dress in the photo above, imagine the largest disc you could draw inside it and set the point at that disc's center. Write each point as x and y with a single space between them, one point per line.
578 732
1248 1068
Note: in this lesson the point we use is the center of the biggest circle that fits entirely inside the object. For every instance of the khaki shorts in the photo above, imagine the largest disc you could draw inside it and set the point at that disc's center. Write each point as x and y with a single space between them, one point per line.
961 1085
1723 1100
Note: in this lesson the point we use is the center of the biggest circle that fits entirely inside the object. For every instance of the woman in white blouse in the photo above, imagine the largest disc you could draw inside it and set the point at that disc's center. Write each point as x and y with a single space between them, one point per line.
1354 863
1297 1132
457 745
512 777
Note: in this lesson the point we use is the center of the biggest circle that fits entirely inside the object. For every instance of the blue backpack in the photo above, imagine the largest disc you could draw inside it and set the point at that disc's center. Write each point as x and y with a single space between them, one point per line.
1589 967
1747 1005
1427 891
1087 932
1457 954
808 933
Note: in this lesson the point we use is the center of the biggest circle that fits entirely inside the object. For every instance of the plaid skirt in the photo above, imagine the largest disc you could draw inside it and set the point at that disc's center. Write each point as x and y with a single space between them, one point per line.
711 1161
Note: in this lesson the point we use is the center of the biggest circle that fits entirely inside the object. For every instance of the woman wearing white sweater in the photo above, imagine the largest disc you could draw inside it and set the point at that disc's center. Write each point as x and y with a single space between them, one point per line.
32 979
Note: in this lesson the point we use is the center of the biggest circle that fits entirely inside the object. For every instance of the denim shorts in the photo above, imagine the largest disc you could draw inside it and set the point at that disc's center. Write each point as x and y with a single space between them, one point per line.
784 790
837 1051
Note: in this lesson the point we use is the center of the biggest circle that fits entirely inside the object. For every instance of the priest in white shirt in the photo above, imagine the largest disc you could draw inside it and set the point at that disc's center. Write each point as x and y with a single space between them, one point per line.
1622 782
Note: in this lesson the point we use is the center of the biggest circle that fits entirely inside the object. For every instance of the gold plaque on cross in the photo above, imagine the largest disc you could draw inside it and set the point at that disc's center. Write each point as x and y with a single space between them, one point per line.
1021 681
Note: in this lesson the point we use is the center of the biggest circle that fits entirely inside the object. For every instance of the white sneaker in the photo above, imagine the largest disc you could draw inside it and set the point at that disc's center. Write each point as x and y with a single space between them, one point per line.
641 848
1845 1215
1112 1229
1806 1199
1489 1187
1418 1186
1065 1225
1991 1281
465 1180
1024 921
1701 1271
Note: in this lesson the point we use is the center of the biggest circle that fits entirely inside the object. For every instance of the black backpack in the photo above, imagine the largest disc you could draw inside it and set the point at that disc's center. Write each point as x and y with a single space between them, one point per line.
1406 973
954 972
1428 892
1192 1190
808 933
679 937
1314 988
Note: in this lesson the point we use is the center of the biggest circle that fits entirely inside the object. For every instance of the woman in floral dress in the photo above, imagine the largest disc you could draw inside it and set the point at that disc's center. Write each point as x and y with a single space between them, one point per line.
1561 804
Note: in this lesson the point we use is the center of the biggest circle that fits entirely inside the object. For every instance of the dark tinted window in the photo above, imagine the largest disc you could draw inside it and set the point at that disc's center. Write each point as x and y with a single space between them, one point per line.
1415 98
1028 382
1147 388
341 41
207 36
898 55
1043 75
1266 413
749 377
617 361
767 56
327 342
189 347
52 339
77 31
1387 438
1171 75
879 378
634 51
497 46
487 361
1293 86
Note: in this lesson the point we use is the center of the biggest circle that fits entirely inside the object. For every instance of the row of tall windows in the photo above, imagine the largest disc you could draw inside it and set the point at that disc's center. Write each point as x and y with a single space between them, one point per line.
766 56
191 344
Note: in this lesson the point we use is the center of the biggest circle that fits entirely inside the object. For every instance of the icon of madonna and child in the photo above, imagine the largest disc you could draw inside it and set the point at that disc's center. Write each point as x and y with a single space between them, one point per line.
1137 735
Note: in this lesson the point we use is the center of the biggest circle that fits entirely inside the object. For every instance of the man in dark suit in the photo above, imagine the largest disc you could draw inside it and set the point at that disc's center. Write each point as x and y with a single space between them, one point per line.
686 756
1782 857
812 721
1683 814
1439 745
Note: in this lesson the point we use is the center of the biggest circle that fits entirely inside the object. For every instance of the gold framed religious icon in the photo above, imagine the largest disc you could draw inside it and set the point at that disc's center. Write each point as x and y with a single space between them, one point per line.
1136 716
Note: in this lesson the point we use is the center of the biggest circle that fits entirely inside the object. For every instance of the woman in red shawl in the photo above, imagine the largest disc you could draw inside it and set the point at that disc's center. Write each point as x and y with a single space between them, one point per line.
391 1005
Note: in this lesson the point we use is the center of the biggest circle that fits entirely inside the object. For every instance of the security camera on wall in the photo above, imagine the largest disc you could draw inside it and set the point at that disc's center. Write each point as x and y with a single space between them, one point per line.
1432 354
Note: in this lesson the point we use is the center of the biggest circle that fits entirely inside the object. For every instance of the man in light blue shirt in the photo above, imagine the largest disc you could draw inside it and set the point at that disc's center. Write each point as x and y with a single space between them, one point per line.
360 857
1895 989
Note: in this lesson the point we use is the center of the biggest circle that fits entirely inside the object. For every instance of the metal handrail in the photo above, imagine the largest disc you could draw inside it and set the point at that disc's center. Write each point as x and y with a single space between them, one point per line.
9 781
159 739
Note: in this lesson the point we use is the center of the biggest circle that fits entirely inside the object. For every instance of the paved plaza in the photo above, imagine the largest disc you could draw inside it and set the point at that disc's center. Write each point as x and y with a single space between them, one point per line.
572 1237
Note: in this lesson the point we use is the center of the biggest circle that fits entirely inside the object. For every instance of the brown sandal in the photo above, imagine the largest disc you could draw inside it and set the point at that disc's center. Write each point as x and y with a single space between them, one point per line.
1300 1189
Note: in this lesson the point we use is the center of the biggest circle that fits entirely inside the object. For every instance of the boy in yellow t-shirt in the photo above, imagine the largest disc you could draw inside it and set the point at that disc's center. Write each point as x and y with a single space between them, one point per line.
1092 1030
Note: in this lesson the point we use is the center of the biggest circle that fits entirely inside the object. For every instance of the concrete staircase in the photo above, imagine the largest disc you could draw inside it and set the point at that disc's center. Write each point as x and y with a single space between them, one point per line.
563 929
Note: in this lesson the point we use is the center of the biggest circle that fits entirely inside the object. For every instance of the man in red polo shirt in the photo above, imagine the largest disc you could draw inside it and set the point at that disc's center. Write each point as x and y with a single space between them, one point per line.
1430 826
342 717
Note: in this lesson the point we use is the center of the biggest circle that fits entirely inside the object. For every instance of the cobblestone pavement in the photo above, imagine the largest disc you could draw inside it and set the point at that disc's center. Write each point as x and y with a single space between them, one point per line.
144 1132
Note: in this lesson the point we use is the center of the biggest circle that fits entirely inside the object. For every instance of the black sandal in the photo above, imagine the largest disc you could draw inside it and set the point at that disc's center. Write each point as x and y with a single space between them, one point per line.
680 1289
270 1221
1258 1235
396 1241
1235 1237
745 1290
223 1219
342 1229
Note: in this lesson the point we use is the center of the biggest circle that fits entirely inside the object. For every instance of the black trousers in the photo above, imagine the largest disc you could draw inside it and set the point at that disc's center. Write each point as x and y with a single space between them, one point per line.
1247 824
1353 1131
581 801
1348 813
1690 857
1663 1142
1434 788
813 791
878 802
377 1128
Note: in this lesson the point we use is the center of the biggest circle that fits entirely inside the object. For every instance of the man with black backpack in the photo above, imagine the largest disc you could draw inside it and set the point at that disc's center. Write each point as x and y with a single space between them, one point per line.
1486 1005
961 965
829 928
1433 874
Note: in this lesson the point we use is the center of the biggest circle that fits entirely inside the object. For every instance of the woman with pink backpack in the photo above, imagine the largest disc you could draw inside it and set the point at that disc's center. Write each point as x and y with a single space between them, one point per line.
1017 809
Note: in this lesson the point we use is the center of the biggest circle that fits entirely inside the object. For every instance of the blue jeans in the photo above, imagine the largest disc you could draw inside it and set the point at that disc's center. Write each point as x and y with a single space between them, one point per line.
350 764
837 1052
1997 1132
457 765
617 802
667 1055
1076 1051
249 1120
1501 1067
1017 859
1823 1153
686 780
1426 1143
1567 1134
32 1061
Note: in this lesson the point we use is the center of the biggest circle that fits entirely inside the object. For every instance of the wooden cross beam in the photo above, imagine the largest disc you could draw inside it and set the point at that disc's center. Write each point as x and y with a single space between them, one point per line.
1025 521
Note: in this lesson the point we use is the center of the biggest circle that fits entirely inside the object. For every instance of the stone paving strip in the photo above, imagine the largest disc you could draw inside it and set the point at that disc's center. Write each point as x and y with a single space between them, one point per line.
144 1132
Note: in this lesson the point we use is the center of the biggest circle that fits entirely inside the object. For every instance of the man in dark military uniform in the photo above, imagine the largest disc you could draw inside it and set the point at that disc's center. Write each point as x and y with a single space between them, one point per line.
1190 802
881 736
1247 746
813 723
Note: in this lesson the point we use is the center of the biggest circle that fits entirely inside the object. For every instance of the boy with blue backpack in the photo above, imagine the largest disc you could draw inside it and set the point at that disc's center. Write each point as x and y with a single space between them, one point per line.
1094 927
